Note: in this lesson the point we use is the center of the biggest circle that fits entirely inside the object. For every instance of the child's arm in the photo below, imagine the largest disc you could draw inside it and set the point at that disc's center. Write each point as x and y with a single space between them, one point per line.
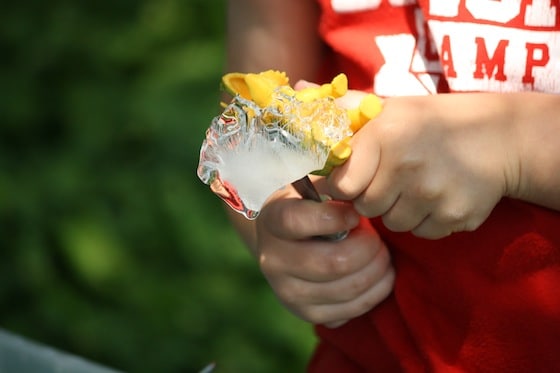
536 120
439 164
321 282
271 34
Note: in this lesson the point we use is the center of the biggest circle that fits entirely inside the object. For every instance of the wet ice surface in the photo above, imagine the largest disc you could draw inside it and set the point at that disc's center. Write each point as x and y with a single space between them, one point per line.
260 170
250 152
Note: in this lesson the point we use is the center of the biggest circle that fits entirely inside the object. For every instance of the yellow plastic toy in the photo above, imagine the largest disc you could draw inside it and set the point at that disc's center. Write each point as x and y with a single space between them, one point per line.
260 89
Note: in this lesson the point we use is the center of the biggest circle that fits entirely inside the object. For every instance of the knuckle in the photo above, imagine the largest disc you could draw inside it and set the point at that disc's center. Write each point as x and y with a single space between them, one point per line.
336 263
395 224
369 206
428 192
409 162
358 285
446 220
380 279
362 207
453 216
458 219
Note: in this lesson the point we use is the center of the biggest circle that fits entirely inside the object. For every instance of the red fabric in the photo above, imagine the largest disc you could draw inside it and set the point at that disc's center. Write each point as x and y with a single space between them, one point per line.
351 39
483 301
355 51
482 45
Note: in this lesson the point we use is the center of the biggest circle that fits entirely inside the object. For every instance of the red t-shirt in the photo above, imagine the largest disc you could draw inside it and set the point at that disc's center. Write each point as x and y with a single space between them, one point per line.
483 301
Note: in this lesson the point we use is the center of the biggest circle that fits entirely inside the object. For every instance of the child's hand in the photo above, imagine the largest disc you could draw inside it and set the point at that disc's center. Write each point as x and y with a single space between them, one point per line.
320 281
432 165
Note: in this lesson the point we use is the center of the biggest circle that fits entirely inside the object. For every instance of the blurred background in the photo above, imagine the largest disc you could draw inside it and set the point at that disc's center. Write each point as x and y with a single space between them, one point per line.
110 246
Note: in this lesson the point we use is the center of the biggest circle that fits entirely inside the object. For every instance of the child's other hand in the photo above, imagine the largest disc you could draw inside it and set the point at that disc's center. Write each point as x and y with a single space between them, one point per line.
320 281
432 165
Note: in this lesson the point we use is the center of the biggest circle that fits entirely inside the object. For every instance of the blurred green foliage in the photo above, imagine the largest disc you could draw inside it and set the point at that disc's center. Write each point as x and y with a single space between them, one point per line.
111 248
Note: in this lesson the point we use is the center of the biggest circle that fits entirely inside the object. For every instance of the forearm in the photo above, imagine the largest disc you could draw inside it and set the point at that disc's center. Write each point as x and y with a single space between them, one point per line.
271 34
274 34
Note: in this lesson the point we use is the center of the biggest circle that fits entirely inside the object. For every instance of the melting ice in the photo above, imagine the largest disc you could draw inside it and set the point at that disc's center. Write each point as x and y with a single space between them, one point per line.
250 152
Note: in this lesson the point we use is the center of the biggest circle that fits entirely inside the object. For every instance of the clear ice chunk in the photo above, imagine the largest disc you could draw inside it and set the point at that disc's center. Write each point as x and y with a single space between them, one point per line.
250 152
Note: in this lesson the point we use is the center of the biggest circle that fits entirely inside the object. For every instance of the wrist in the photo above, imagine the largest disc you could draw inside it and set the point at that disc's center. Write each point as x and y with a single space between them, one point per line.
514 146
535 122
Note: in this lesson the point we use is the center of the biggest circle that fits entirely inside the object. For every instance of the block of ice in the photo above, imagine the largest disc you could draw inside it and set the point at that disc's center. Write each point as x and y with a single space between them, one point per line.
250 152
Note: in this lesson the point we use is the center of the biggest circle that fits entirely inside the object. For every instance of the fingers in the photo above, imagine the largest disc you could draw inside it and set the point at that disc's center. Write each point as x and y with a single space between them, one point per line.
335 315
450 218
343 288
320 281
331 282
296 219
405 214
364 180
317 260
349 180
354 295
